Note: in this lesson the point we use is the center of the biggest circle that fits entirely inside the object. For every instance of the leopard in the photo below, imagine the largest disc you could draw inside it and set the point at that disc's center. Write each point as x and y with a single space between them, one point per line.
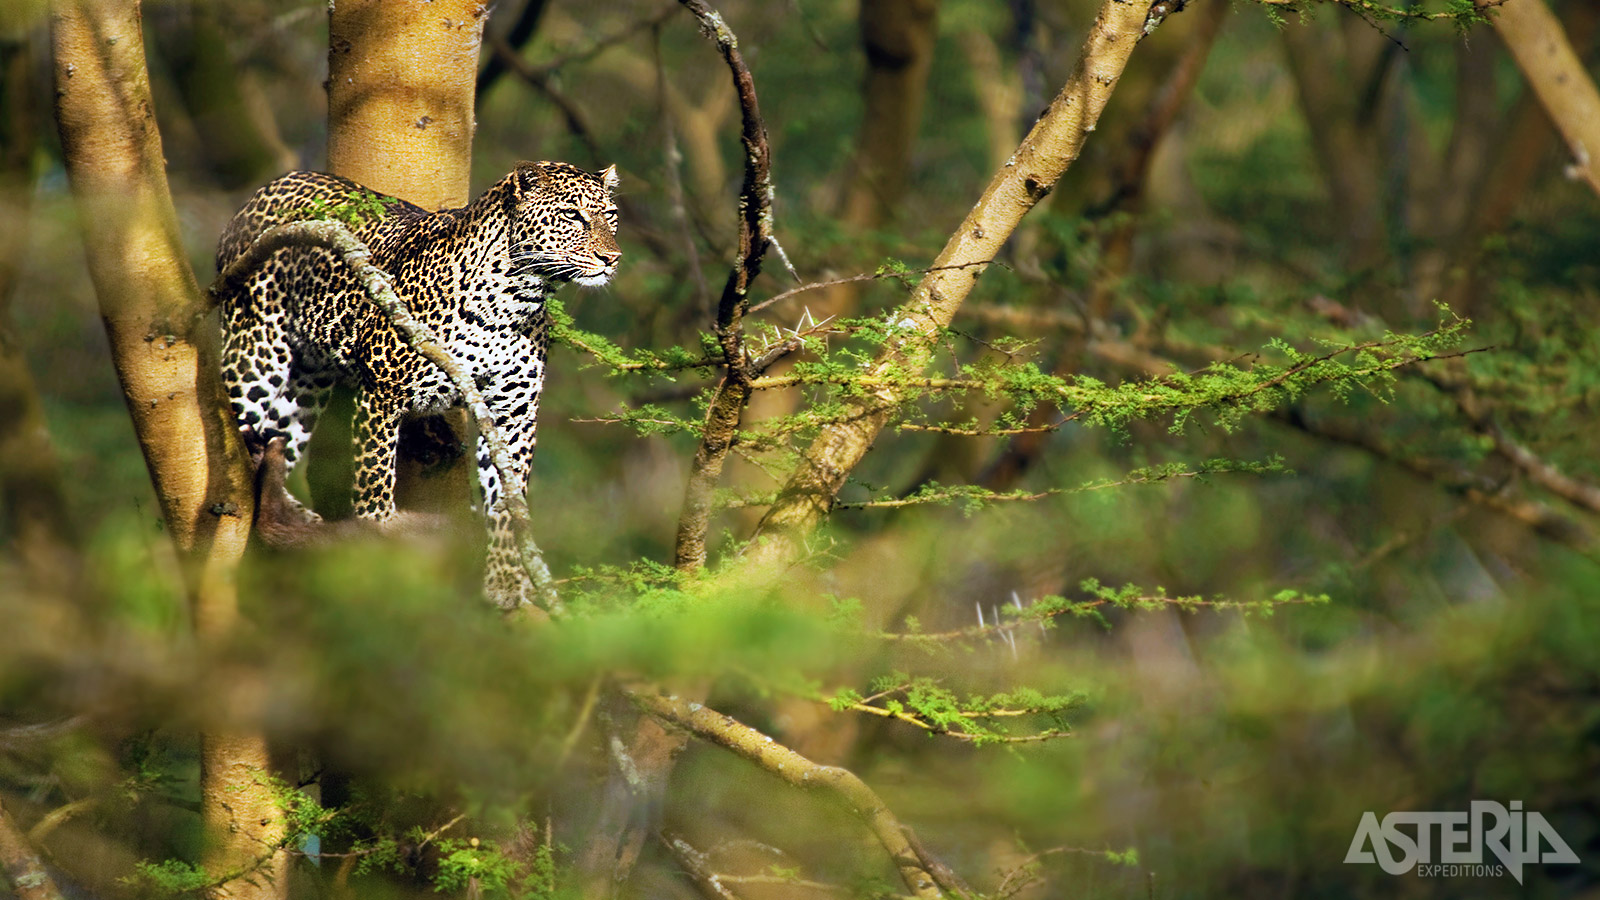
479 276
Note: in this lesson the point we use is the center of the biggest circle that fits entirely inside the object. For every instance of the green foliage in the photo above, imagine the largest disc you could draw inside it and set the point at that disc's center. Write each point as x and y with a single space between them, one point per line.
356 209
608 355
169 878
480 867
1462 14
971 498
1020 715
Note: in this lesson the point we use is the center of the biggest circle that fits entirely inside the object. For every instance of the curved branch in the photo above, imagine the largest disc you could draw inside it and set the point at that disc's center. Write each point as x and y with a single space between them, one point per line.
1557 75
753 746
726 408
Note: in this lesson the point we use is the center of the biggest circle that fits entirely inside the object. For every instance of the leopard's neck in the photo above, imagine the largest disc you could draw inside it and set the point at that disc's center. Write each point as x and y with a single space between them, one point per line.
492 294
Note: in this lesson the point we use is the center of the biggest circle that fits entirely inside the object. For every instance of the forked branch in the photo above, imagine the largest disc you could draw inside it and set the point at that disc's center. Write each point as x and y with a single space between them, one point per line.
755 233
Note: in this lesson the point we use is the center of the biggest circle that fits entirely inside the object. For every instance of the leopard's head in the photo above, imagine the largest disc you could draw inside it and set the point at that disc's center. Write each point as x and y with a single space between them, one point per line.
564 223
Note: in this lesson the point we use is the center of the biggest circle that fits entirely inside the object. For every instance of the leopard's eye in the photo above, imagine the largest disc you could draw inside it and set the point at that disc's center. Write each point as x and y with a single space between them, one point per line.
574 215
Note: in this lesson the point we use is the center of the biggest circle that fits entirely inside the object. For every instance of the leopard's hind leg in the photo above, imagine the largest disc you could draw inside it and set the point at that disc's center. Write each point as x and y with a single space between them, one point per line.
270 394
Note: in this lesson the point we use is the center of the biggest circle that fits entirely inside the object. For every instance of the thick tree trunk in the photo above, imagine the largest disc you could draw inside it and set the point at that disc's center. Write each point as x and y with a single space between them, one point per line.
897 37
402 80
1441 209
152 310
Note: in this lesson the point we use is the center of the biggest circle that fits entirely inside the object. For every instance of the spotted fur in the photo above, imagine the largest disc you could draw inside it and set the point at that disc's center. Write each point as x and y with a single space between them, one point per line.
301 323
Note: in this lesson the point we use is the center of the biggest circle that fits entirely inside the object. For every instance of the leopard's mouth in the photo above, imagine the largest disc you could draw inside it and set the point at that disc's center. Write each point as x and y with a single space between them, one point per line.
559 267
596 276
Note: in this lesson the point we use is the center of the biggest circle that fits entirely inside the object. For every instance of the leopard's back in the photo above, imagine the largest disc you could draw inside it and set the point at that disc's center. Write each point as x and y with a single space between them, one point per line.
377 219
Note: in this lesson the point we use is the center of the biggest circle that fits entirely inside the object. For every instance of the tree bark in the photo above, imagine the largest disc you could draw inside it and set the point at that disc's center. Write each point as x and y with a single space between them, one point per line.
1537 42
401 83
152 309
22 866
402 80
1050 147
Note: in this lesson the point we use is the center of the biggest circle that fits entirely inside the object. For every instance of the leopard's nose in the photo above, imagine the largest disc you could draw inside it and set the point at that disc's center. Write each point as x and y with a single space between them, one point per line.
609 257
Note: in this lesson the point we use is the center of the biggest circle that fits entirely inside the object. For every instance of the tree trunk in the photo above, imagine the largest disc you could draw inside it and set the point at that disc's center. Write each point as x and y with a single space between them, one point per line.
897 37
153 312
402 79
401 82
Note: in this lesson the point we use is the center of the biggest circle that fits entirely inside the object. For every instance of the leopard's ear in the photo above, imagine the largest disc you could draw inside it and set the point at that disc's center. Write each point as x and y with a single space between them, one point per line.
532 175
609 177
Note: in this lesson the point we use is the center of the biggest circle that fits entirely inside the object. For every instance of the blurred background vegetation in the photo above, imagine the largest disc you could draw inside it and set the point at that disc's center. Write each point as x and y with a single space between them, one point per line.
1326 178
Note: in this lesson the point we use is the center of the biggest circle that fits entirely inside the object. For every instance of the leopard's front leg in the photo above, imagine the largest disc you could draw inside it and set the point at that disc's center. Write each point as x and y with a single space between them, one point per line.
377 438
505 581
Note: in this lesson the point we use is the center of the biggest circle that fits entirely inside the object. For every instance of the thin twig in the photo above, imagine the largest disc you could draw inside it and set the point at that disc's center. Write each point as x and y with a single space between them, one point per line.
583 54
571 112
852 279
1578 493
